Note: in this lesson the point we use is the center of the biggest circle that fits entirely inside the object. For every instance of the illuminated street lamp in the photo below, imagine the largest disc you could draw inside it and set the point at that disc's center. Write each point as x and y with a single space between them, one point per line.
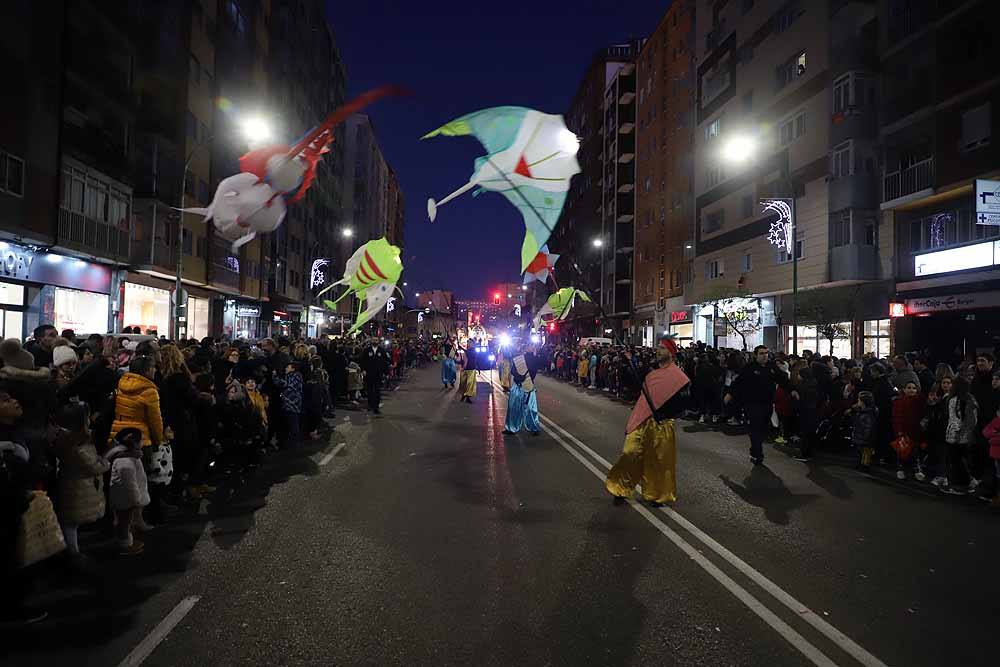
741 149
598 242
347 232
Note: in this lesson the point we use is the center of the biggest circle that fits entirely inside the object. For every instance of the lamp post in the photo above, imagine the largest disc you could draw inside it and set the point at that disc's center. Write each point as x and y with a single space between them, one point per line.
254 129
782 233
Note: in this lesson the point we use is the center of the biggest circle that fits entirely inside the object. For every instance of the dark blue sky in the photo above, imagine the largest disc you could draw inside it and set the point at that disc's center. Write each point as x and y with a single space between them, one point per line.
460 57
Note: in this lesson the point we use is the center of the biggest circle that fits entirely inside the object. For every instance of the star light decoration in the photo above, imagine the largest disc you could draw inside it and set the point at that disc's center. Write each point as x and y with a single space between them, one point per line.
780 233
390 305
316 274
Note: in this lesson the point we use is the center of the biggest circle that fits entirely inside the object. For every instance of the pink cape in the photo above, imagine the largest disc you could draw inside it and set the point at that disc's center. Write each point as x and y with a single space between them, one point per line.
661 384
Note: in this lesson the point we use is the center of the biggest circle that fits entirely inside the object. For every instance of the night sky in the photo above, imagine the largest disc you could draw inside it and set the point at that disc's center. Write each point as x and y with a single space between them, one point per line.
458 57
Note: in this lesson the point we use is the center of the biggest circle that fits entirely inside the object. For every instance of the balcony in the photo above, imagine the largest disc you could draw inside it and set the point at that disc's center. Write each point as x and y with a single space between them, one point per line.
903 182
78 232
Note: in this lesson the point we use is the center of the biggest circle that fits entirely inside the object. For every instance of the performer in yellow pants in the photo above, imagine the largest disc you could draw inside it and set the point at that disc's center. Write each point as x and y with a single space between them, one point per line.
649 456
467 381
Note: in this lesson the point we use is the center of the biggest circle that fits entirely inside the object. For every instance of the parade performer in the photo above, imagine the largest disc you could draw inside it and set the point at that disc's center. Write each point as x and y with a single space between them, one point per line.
649 456
503 367
467 384
522 402
448 364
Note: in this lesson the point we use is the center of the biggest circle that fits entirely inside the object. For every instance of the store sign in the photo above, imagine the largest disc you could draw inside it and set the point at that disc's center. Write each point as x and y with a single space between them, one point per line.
957 259
934 304
22 263
679 316
720 327
897 310
247 311
987 202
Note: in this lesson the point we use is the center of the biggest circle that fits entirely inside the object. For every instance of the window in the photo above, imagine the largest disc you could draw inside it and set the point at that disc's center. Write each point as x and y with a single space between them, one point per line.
976 128
748 206
841 93
746 263
186 240
852 92
714 269
714 83
784 257
791 129
713 221
876 337
713 129
714 175
842 165
787 15
840 229
201 247
791 70
12 174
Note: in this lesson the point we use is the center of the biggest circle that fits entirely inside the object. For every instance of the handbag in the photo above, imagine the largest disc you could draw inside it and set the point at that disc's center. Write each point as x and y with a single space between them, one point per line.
903 447
39 535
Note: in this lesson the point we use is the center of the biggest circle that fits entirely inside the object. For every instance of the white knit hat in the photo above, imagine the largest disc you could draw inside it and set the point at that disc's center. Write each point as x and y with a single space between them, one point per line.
63 354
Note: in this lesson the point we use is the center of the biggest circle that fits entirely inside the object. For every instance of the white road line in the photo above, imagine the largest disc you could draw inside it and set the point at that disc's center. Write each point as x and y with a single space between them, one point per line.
844 642
159 633
803 645
329 457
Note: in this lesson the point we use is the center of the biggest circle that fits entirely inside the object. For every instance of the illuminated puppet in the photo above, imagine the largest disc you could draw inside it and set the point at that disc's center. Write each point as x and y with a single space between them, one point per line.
372 273
560 303
530 159
541 267
253 201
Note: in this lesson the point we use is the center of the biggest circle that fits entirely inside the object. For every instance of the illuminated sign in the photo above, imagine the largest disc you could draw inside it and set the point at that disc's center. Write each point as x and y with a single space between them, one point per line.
957 259
780 233
897 310
950 302
679 316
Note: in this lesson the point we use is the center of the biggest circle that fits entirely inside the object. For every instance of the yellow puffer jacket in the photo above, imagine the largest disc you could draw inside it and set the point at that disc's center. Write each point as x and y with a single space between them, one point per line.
137 405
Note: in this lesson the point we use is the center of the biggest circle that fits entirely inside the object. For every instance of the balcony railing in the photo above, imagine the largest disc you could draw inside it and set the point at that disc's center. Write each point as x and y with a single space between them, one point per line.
903 182
95 237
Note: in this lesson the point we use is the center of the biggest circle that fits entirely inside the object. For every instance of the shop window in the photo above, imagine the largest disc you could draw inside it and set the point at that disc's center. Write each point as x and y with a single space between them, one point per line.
11 294
147 308
84 312
876 337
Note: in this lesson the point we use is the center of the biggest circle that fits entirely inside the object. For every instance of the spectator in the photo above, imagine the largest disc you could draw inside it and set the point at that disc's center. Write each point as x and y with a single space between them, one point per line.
864 416
80 487
129 491
41 346
902 373
960 437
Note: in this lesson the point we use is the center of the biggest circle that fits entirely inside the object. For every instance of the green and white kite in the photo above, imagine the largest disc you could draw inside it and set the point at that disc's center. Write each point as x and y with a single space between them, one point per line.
530 159
560 303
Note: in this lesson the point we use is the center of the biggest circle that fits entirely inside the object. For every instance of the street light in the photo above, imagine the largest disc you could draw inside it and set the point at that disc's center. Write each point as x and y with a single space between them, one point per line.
598 242
740 149
347 232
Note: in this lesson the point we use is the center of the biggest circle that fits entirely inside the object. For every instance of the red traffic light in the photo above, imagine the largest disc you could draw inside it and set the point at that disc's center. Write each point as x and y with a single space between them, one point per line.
496 298
552 326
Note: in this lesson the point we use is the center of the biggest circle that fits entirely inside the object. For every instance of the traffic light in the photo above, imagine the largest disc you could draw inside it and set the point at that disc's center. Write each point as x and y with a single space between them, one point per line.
552 327
496 298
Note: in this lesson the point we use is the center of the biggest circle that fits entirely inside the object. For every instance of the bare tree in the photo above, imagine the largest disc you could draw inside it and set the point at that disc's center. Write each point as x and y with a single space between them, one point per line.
739 308
827 310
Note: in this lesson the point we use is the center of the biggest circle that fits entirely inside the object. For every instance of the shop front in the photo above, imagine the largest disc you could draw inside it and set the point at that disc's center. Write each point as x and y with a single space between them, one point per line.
949 325
316 321
736 323
681 326
148 307
241 319
47 288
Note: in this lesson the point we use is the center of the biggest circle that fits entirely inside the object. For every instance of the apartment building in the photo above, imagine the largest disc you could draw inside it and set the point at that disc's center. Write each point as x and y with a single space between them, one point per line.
663 196
581 222
774 122
938 116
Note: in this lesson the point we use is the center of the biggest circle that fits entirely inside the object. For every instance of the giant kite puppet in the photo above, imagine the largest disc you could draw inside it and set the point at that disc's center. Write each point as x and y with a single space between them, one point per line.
253 201
372 273
560 303
530 158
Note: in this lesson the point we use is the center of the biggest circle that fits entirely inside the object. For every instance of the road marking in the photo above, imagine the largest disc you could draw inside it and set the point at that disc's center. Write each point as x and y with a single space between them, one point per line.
844 642
159 633
329 457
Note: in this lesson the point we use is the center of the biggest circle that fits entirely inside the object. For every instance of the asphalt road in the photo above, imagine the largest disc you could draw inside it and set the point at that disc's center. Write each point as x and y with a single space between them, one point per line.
424 536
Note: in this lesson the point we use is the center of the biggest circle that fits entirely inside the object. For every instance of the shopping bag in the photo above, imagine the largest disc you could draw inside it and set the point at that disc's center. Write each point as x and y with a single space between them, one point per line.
903 447
775 422
39 535
160 464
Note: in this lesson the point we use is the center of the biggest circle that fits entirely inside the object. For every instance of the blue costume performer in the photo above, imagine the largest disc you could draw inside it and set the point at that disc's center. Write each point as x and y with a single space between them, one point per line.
522 401
448 372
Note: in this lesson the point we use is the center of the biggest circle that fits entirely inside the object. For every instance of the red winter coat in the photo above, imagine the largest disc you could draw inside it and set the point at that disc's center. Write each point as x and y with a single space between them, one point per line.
782 403
992 433
907 411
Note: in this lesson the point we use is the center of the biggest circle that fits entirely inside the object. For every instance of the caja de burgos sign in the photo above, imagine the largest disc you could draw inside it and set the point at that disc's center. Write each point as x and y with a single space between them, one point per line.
936 304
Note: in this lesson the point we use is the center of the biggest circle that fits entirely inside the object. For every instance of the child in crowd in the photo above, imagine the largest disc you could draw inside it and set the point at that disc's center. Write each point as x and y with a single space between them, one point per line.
992 434
937 424
907 412
129 491
292 389
864 415
80 486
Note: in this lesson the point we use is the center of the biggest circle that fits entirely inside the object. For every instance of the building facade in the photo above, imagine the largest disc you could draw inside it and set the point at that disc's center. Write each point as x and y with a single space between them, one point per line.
772 123
938 115
663 196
